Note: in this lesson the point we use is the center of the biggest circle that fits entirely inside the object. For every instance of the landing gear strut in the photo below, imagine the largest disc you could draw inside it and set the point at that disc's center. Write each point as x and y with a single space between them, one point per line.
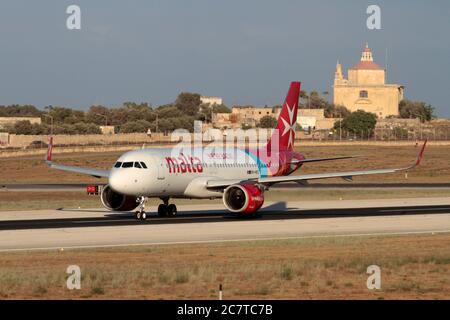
140 214
166 209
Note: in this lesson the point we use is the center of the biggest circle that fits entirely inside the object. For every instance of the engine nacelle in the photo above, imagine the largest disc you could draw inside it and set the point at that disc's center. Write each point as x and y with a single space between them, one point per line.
243 198
117 201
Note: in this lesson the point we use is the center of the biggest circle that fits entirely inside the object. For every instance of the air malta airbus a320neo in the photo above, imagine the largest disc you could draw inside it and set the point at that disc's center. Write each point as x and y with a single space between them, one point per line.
239 176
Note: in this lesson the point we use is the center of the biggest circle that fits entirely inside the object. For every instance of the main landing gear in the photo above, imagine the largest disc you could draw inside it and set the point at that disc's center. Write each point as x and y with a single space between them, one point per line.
167 210
164 209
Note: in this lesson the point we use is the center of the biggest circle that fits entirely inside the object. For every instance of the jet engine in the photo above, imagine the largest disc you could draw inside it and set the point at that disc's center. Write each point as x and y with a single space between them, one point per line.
116 201
243 198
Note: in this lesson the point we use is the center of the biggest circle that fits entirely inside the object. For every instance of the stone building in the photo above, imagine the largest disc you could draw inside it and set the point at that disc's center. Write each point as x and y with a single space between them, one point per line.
314 119
366 88
248 115
211 100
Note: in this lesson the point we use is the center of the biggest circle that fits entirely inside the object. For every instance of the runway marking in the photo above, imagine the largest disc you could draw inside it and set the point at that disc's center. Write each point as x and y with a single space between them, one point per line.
376 234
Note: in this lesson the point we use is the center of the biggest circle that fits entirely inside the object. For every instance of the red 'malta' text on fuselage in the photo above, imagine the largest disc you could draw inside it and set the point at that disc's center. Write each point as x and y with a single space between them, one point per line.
183 164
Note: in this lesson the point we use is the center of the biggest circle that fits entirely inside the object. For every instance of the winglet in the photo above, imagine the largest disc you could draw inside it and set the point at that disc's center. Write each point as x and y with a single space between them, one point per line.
420 155
49 150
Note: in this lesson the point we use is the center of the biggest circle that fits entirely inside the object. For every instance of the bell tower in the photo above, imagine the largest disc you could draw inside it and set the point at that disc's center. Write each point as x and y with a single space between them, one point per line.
338 76
367 54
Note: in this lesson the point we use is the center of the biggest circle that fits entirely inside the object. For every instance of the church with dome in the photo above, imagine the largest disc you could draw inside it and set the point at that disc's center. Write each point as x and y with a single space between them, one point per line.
366 88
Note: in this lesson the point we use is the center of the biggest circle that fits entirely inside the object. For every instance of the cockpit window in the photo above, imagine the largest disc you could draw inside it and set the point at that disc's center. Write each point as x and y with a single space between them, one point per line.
137 165
118 164
127 165
143 165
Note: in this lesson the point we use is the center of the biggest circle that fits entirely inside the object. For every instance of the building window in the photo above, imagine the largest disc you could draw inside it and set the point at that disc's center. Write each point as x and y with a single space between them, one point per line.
363 94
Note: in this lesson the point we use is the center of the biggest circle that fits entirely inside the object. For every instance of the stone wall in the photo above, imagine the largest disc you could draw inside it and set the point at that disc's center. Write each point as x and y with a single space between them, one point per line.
23 141
20 141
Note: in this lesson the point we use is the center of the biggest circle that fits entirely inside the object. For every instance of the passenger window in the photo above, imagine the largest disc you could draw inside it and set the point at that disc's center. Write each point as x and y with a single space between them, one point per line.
137 165
127 165
118 164
143 165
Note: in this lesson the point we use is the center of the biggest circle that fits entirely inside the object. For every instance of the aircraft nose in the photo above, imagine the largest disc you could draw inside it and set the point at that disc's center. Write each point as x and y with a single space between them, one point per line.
116 182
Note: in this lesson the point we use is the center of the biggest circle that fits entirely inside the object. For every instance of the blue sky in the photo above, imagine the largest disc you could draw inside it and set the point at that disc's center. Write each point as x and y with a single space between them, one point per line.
244 51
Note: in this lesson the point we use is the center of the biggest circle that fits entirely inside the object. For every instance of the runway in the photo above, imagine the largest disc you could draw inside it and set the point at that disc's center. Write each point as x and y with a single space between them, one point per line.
54 229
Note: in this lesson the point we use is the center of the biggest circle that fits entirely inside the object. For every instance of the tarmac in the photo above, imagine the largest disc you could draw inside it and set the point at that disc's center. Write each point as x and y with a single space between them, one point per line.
97 228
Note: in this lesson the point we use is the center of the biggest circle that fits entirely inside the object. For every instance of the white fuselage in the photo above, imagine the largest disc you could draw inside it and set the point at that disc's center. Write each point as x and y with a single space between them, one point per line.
179 174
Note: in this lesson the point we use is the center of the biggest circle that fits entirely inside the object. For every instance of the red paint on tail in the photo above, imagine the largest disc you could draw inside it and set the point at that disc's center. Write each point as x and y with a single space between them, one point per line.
284 133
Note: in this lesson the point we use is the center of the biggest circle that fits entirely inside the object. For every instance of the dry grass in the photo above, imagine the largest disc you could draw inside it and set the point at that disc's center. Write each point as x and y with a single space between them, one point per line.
10 200
435 168
413 267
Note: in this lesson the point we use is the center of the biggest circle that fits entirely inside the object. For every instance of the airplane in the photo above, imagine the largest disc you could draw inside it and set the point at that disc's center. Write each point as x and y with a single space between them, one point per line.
238 175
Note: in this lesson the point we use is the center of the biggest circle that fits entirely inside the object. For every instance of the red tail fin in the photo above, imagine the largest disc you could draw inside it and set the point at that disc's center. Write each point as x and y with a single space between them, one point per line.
285 129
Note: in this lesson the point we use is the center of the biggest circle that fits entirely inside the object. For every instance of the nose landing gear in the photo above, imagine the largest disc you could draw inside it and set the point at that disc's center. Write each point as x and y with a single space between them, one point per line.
140 214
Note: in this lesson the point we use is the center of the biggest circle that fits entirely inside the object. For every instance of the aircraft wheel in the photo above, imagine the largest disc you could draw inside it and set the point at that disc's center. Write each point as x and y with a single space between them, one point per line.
172 210
162 210
138 215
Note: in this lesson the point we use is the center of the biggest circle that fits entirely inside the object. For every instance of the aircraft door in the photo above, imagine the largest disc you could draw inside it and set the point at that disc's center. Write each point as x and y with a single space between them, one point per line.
161 170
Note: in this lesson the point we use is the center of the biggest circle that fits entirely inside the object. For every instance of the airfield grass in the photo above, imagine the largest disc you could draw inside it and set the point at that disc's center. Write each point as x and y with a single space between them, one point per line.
435 166
28 200
412 267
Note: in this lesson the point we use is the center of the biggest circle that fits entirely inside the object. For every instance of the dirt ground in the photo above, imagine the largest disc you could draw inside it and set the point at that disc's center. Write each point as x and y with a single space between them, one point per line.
435 167
412 267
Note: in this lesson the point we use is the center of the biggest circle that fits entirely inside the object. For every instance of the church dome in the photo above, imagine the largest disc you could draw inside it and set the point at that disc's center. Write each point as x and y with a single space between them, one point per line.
366 65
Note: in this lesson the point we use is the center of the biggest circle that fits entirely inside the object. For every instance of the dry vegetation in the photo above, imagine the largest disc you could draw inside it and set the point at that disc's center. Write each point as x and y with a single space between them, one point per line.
435 168
413 267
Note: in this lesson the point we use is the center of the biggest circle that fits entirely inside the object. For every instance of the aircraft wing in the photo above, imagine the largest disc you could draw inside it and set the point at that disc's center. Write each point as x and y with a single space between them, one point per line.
303 178
227 182
346 175
98 173
322 159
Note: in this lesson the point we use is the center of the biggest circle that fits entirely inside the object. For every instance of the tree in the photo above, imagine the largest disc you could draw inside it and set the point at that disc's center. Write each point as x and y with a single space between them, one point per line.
16 110
313 100
336 111
63 115
416 109
23 127
169 111
99 115
267 122
135 126
221 108
188 103
358 123
87 128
